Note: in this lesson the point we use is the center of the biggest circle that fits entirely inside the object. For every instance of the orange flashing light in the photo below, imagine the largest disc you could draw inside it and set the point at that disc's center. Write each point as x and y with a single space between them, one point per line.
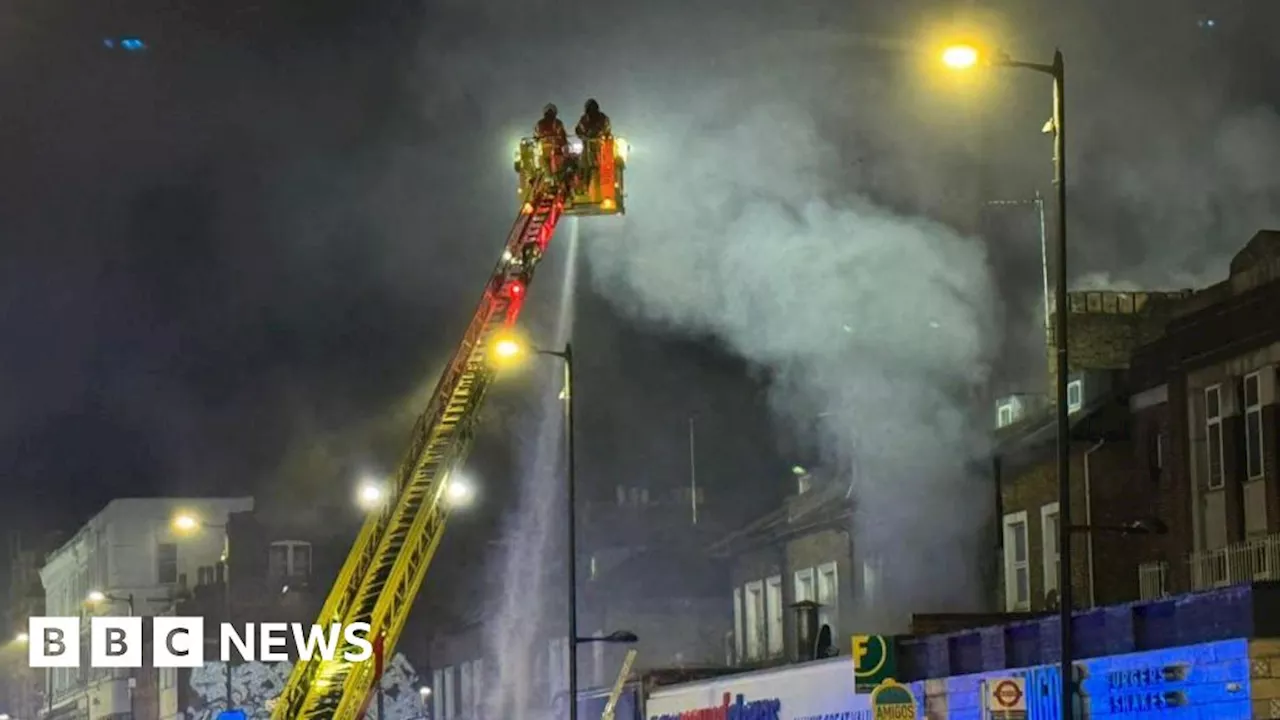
527 209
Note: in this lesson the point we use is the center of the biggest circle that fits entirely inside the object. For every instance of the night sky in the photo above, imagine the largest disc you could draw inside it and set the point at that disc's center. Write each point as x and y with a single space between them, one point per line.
235 261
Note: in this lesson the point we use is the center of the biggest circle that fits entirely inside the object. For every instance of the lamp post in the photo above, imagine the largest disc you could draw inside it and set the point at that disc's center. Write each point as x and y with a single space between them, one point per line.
966 56
97 597
187 524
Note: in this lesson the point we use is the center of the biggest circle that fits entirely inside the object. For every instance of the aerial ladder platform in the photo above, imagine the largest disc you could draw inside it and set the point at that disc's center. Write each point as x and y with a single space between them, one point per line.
384 571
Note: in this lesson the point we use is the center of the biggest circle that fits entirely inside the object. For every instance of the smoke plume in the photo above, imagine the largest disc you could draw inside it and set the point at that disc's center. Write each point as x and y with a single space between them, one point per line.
879 324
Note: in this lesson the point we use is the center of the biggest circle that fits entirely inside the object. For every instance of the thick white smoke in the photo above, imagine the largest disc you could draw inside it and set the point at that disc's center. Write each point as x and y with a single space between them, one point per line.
880 323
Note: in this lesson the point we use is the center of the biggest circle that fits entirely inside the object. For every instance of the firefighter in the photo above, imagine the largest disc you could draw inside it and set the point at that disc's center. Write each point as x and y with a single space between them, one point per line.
593 124
592 127
550 133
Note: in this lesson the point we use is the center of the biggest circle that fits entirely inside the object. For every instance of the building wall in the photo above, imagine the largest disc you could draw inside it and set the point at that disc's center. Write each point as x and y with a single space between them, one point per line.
806 555
1105 327
1116 495
1220 335
118 553
818 550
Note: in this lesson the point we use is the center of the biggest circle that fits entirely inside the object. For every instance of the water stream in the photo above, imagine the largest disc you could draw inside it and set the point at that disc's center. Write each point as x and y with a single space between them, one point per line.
514 635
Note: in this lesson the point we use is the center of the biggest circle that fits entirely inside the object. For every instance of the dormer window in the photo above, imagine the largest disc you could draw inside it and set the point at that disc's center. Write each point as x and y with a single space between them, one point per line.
1004 416
1075 393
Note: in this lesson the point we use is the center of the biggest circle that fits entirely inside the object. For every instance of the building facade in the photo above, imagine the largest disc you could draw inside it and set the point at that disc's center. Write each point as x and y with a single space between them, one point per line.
129 559
1105 328
1205 413
799 553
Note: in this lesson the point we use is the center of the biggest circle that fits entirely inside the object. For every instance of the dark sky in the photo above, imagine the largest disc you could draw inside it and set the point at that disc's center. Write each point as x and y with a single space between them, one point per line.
235 262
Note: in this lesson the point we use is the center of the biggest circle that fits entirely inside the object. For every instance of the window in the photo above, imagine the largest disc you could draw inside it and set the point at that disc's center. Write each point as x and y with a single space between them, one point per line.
1017 578
804 585
1049 542
437 695
1074 396
828 598
289 559
738 636
477 687
166 563
301 560
754 596
773 605
448 693
869 581
1004 416
1213 435
464 688
206 575
1253 425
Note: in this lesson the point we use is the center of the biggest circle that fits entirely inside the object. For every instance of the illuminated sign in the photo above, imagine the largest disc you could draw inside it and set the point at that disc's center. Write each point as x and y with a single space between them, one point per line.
892 701
873 661
1184 682
731 709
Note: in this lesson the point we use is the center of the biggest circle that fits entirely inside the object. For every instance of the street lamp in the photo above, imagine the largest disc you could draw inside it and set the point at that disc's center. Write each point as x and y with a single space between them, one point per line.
22 638
186 524
459 491
97 597
371 494
962 57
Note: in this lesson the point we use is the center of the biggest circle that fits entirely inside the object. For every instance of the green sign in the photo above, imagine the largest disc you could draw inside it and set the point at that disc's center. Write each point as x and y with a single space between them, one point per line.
873 662
891 701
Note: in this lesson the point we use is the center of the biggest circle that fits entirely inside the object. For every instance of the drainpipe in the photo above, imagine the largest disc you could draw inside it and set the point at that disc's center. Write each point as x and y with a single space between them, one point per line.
1088 519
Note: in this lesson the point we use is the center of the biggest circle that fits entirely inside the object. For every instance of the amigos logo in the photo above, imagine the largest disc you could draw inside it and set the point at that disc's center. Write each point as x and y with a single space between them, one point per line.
738 710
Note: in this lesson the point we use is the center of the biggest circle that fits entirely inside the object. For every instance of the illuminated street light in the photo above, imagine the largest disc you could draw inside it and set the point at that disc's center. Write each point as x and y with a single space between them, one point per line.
185 522
961 57
507 348
22 638
371 494
460 491
96 596
425 692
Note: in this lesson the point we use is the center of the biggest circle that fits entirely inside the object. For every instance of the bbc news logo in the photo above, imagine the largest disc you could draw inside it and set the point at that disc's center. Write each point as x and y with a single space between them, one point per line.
178 642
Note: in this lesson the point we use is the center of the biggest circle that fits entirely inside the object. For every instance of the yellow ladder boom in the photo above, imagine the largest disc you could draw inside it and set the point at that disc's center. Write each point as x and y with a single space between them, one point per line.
385 569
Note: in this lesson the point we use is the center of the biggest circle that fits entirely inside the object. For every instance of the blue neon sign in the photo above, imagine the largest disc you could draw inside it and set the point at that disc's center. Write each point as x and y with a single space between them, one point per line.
1184 682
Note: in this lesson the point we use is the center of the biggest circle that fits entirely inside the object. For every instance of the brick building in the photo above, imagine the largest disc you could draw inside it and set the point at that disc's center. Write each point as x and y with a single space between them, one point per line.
1205 421
802 551
1105 328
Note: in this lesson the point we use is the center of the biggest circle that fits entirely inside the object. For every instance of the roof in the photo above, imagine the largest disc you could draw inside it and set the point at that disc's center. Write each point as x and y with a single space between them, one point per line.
826 504
1037 433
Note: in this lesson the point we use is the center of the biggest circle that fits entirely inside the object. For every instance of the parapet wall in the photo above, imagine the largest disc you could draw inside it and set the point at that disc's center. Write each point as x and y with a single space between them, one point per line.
1105 327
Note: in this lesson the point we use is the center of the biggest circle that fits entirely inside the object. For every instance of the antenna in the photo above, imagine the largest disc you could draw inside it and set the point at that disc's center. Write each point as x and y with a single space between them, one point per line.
693 471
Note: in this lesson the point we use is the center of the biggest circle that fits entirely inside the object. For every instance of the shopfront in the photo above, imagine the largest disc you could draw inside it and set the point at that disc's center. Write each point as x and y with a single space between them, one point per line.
1193 681
813 691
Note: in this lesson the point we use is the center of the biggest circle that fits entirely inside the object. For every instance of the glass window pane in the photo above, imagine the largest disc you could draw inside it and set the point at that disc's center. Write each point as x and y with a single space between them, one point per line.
1019 531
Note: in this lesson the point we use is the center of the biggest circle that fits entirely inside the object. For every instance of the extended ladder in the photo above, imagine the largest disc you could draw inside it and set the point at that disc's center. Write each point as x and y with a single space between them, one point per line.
383 573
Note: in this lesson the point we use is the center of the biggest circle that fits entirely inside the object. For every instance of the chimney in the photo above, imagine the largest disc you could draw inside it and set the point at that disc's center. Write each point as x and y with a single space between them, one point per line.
806 629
